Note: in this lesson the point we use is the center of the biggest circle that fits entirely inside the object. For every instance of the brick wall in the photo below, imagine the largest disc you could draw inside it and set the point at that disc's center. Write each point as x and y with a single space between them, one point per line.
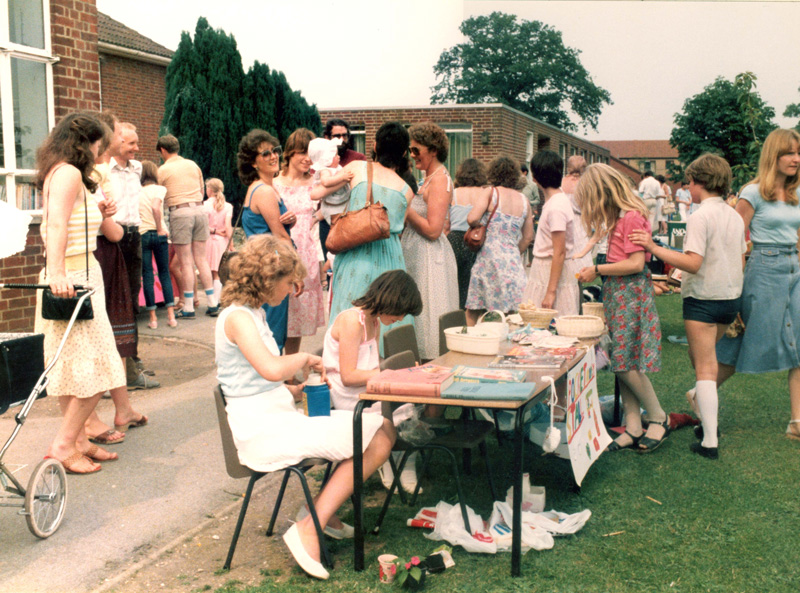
76 76
505 129
135 91
17 307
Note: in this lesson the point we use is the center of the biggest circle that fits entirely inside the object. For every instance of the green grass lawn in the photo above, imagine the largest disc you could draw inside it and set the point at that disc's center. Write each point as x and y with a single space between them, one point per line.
721 526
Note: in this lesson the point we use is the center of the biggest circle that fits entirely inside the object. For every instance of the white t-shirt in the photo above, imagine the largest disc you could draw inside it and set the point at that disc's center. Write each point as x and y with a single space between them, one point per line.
556 215
716 232
649 188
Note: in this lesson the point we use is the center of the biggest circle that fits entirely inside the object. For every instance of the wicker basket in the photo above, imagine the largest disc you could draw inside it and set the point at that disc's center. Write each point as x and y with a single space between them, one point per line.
539 318
580 326
595 309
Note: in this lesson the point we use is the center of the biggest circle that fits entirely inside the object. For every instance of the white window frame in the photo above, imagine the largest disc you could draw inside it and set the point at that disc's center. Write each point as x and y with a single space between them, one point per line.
9 50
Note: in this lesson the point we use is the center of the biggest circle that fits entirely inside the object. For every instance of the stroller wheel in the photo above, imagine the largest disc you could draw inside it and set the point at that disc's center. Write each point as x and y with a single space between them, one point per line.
46 498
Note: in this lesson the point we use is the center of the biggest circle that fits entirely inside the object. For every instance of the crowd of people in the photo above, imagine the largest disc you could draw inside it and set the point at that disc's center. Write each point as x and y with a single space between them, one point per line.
107 219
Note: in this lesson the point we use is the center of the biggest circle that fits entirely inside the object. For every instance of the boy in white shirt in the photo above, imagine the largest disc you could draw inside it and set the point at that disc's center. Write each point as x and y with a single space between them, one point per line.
713 266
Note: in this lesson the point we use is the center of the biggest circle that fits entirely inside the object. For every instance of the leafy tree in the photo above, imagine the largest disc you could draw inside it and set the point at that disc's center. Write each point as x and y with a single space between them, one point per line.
727 118
205 89
211 103
793 110
523 64
292 111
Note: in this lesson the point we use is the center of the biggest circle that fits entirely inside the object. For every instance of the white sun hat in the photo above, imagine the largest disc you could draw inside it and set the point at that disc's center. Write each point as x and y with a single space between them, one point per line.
321 152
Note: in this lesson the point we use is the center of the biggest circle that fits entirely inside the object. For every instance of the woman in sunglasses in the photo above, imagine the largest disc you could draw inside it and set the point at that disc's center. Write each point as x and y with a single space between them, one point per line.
429 256
259 160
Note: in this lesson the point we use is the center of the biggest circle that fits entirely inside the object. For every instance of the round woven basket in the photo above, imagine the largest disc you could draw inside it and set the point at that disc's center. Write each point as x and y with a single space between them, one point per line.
595 309
538 318
580 326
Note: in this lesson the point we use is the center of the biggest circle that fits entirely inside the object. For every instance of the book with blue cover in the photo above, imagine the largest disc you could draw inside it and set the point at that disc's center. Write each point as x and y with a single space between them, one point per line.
483 375
497 391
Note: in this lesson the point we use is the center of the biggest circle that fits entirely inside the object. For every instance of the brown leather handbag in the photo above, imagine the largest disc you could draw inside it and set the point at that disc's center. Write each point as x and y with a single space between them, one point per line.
354 228
475 236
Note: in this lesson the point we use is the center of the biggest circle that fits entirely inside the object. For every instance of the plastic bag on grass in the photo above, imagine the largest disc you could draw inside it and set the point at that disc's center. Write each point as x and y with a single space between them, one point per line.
450 528
414 431
533 536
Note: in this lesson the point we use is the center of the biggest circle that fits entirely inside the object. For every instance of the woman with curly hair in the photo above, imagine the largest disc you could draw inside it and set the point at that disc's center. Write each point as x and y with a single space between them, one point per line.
498 277
263 211
429 256
471 186
268 431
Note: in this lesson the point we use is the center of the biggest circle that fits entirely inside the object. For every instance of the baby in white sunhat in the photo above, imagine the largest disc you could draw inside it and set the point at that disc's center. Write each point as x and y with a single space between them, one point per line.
331 182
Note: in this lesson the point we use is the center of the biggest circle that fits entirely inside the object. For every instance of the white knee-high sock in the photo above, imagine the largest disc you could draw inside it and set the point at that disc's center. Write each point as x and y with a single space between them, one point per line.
708 404
217 289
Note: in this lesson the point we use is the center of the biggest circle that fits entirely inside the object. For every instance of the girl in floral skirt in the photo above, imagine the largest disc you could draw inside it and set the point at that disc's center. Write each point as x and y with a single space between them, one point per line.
607 201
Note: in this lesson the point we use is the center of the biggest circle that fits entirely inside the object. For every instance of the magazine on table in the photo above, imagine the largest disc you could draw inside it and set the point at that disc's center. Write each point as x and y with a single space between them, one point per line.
468 374
532 361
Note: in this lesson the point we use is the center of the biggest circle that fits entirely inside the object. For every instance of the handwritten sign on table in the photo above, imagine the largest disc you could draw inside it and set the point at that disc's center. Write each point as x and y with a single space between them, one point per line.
586 435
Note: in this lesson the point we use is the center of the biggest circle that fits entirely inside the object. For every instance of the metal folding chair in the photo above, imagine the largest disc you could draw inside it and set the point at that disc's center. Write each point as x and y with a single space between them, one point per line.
237 470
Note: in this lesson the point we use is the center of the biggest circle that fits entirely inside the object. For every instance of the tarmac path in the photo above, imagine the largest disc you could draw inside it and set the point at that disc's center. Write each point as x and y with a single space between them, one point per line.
169 480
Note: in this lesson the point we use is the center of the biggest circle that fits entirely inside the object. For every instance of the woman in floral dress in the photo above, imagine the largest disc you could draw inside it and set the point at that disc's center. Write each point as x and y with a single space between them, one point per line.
498 276
306 310
429 257
607 201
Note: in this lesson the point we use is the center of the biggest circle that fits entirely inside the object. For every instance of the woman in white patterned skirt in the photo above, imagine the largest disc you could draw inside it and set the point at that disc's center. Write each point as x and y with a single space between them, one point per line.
71 216
428 254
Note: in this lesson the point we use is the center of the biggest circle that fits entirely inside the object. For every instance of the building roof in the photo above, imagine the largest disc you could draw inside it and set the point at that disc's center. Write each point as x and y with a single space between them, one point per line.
460 106
115 33
639 149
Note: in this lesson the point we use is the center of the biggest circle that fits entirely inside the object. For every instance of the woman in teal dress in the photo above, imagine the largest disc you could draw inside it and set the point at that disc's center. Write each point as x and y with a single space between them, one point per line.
354 270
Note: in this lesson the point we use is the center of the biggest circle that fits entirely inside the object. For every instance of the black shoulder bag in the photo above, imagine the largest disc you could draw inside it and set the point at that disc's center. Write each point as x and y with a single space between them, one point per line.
61 308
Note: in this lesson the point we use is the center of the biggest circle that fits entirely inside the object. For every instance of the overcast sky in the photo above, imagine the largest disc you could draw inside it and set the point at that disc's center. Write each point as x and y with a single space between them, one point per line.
651 56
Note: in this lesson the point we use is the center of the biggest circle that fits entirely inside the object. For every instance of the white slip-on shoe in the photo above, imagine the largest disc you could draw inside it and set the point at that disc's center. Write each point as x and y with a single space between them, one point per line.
408 477
306 562
345 532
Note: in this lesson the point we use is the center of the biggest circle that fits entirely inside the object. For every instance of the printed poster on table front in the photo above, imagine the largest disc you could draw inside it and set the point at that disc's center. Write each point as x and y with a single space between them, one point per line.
586 435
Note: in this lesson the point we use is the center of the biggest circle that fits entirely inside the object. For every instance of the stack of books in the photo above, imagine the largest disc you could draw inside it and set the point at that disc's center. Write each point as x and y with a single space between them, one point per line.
428 380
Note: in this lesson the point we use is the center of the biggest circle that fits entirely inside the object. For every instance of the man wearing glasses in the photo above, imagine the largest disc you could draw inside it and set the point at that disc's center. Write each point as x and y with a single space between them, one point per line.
337 129
188 223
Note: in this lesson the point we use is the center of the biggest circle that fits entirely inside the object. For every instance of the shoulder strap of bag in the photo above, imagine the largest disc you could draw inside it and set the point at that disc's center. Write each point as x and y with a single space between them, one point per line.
369 183
236 224
85 217
369 190
496 196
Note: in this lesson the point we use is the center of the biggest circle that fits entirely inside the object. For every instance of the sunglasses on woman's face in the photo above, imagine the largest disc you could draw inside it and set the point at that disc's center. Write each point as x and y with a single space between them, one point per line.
414 150
277 151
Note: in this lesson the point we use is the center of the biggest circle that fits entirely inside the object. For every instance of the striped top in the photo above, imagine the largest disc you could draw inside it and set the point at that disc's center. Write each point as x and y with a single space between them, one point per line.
76 227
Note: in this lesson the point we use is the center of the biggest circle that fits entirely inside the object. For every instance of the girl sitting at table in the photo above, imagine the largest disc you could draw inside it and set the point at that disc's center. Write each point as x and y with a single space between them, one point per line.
350 354
269 432
607 201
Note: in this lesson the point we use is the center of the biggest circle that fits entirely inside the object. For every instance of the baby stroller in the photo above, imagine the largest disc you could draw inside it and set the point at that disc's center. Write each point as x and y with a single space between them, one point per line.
45 500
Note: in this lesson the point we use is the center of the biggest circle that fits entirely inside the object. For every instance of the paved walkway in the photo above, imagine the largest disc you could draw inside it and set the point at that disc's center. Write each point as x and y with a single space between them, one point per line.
170 477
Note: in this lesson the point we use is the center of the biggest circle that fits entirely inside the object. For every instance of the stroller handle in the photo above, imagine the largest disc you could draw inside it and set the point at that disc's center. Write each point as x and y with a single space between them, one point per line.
37 286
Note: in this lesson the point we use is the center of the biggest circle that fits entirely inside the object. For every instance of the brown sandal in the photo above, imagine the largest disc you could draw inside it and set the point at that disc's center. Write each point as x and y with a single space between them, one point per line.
70 462
105 438
94 450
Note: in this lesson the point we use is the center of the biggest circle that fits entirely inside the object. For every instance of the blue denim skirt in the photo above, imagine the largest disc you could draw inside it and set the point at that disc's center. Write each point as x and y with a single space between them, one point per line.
770 311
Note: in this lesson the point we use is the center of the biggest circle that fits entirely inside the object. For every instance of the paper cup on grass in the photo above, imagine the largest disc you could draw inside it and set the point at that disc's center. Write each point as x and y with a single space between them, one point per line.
386 568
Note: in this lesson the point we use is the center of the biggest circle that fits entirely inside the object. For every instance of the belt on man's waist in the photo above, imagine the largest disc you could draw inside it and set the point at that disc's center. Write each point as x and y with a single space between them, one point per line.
186 205
130 228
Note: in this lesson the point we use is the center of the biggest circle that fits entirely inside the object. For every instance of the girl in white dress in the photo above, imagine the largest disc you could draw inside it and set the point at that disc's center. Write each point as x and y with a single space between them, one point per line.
350 354
269 432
